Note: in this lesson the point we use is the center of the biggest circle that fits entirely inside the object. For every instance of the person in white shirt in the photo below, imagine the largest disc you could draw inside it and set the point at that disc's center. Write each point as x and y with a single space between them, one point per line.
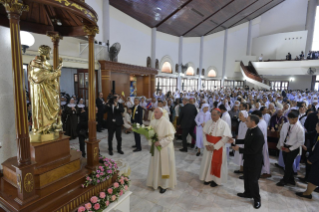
292 137
129 103
265 115
240 140
265 171
225 115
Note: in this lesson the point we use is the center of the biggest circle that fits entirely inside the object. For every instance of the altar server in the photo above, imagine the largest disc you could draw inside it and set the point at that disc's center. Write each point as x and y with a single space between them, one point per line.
202 117
216 133
162 170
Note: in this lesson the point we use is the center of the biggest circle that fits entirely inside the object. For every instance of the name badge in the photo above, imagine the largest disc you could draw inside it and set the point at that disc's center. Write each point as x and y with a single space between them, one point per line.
136 112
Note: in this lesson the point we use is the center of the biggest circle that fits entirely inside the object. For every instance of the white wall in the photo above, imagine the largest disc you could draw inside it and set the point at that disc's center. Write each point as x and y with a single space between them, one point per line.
134 37
288 16
167 45
67 80
191 47
300 81
277 46
7 119
212 55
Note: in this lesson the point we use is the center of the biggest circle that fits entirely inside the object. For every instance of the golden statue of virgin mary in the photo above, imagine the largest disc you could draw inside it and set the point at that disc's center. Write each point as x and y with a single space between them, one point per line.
45 96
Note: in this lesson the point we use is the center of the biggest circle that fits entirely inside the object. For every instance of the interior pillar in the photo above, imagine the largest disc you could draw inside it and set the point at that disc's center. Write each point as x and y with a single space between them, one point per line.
248 48
224 58
201 55
24 167
310 23
153 48
180 63
92 143
55 37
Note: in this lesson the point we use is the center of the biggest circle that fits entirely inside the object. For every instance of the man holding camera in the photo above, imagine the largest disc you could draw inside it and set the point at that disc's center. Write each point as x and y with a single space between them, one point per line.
114 122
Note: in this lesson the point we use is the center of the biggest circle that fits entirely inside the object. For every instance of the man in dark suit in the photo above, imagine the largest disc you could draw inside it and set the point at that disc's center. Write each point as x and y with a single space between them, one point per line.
100 104
253 160
187 122
137 118
115 121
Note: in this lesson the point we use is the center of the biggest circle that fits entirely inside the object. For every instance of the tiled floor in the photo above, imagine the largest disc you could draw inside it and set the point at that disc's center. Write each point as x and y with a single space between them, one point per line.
191 195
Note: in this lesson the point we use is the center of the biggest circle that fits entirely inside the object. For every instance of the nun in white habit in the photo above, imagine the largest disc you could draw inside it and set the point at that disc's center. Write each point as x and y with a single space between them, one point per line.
242 129
202 117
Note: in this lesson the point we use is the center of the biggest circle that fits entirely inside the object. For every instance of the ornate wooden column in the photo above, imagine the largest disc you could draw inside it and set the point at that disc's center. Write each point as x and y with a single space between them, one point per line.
55 37
24 167
92 143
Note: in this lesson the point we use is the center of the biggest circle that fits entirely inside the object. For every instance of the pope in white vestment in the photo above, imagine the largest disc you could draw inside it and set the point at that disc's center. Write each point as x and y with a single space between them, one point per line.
216 133
162 170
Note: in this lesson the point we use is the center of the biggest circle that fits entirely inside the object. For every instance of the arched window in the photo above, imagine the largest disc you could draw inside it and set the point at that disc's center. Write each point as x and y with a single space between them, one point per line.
190 71
166 68
212 73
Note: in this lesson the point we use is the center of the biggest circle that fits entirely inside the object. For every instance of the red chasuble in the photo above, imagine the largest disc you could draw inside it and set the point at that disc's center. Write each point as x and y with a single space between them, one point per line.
217 158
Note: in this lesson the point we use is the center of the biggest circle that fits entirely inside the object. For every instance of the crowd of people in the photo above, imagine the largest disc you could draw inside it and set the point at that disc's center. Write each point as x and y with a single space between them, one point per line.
218 124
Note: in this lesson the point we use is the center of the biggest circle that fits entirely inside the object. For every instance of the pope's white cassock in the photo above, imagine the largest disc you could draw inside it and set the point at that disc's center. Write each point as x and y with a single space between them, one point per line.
266 165
214 164
162 170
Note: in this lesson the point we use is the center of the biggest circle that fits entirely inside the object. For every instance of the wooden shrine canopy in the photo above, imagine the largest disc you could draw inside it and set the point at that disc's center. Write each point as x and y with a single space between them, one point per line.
42 16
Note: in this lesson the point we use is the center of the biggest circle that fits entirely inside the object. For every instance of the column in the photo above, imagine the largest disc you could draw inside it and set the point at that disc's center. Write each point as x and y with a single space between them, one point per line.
201 55
92 143
180 62
55 37
24 167
248 50
152 85
224 58
106 20
310 23
153 47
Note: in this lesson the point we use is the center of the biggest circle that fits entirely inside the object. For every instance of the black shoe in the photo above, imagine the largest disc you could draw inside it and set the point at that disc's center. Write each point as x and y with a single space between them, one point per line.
213 184
134 146
238 172
111 152
192 146
300 194
295 173
137 150
292 182
244 195
257 204
120 152
206 183
162 190
241 177
281 183
183 150
317 190
198 154
303 180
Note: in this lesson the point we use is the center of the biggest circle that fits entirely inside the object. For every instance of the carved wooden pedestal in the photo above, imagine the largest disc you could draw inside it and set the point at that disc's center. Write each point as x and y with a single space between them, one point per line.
58 175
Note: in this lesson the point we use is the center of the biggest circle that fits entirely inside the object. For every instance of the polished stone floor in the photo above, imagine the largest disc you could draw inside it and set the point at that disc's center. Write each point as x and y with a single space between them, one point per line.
191 195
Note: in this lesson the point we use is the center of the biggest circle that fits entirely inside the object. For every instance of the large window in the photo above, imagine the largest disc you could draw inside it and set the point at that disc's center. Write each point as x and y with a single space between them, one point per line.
315 42
233 83
167 68
317 83
189 84
190 71
210 85
166 84
279 85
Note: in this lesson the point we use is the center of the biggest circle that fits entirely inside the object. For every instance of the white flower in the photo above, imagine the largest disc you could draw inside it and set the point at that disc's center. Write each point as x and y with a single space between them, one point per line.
143 126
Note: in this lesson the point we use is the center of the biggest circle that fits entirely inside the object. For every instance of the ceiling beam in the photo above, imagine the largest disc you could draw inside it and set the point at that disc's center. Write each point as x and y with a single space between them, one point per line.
231 17
256 11
173 13
208 17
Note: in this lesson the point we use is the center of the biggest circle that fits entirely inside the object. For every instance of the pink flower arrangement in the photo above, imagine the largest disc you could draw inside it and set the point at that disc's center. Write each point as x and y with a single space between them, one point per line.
126 187
122 182
121 192
113 198
107 203
94 199
110 191
96 206
102 195
97 176
81 209
88 206
116 185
